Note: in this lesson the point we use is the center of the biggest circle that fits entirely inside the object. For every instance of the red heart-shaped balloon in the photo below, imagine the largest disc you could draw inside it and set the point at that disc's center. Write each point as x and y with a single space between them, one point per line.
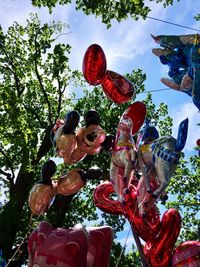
146 228
94 64
159 250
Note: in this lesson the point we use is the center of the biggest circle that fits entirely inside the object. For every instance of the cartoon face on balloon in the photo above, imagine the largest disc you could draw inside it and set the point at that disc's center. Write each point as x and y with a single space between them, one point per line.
90 139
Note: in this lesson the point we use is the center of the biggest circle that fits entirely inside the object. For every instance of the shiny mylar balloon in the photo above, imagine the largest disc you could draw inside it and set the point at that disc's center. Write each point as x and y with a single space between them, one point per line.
117 88
123 153
136 112
163 155
40 198
90 139
147 228
102 197
187 255
74 145
195 65
159 251
74 247
94 64
144 199
181 54
70 183
42 194
174 41
198 142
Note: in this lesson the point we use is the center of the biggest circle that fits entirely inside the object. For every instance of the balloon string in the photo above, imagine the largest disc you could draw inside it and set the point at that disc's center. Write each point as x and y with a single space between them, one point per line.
122 250
137 241
144 92
174 24
17 250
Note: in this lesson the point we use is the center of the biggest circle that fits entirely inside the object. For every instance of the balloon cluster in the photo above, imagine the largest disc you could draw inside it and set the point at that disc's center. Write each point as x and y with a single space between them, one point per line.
142 164
181 54
158 234
156 159
74 247
73 146
115 86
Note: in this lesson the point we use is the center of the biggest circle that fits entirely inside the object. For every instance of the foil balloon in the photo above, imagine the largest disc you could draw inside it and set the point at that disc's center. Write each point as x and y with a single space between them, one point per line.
64 137
123 154
195 65
187 255
163 155
72 144
94 64
40 198
102 197
144 199
90 139
117 88
174 41
147 228
159 251
74 247
198 142
42 194
72 182
181 54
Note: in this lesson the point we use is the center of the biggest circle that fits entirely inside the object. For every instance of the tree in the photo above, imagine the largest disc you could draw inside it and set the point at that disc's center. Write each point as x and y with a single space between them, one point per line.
106 9
34 76
185 185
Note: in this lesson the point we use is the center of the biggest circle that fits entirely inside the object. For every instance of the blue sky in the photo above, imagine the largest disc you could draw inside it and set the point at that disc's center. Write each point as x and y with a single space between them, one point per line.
127 46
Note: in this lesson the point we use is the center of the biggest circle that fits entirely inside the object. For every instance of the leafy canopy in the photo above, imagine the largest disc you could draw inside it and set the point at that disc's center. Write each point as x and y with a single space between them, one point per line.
107 9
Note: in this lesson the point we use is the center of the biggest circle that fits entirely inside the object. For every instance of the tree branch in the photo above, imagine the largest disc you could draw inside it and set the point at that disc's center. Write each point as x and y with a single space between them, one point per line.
9 165
46 144
13 71
34 113
41 82
60 93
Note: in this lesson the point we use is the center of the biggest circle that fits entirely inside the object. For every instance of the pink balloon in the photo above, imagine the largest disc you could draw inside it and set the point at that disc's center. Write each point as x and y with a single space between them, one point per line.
187 255
74 247
94 64
117 88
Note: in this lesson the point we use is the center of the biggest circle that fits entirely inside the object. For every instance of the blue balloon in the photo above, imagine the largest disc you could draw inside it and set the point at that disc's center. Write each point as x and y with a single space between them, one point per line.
182 135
